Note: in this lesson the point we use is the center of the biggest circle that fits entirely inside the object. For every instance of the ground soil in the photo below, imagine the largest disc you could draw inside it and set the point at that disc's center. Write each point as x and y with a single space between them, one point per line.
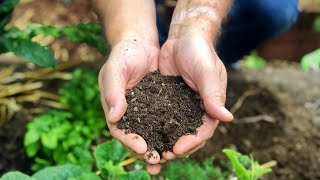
162 109
291 98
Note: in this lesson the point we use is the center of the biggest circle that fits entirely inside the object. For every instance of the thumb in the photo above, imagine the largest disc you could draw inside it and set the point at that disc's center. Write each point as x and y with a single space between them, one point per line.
212 89
112 88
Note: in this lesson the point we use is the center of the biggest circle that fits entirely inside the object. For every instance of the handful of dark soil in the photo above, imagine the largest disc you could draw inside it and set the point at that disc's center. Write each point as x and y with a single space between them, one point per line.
161 109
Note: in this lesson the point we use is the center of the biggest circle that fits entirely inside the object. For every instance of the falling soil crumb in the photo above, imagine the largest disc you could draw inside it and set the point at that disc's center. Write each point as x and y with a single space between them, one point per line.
161 109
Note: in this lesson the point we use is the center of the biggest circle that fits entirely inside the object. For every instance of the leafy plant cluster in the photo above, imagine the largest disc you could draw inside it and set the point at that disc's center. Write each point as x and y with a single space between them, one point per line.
20 41
108 157
60 137
254 61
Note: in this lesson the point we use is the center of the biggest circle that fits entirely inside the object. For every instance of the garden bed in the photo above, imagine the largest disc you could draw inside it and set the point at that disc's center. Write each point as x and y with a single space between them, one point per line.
272 123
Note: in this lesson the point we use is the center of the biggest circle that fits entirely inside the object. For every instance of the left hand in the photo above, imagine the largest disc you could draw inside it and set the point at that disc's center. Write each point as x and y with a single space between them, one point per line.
194 59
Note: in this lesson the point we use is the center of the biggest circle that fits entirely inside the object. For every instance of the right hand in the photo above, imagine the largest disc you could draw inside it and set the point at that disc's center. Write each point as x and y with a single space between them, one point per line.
130 60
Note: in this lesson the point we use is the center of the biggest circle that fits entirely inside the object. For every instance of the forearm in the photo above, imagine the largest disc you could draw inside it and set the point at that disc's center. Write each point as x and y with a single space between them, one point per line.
123 19
200 17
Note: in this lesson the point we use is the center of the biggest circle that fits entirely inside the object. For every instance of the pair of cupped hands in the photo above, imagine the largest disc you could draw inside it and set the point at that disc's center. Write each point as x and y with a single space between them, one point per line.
194 59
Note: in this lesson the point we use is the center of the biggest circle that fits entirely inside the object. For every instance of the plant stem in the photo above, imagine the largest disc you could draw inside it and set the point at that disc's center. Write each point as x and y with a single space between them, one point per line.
269 164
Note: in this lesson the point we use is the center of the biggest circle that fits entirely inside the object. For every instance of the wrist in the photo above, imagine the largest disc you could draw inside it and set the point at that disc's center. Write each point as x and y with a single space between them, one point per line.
133 36
198 18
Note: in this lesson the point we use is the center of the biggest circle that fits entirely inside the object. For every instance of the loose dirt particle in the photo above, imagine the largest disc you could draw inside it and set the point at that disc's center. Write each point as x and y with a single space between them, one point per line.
161 109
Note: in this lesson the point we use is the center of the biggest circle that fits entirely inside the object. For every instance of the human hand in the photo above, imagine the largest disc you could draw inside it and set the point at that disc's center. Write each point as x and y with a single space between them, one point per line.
194 59
130 60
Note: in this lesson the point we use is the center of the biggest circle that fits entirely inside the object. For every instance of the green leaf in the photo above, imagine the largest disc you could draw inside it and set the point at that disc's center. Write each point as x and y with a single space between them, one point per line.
141 175
7 6
33 30
87 176
311 61
5 19
316 25
253 61
30 51
109 151
113 171
84 157
16 176
32 149
49 140
240 170
90 34
243 173
31 137
63 172
188 169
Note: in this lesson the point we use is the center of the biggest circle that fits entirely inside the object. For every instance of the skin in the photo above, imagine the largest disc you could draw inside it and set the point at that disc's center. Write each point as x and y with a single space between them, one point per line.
130 29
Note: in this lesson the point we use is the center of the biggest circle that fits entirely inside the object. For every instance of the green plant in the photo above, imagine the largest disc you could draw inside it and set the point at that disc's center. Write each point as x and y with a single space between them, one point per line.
311 61
19 41
60 137
254 61
108 157
316 25
189 169
245 168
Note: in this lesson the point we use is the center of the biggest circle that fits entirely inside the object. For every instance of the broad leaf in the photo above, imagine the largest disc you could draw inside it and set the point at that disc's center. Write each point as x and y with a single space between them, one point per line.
32 149
49 140
141 175
90 34
311 61
109 151
30 51
87 176
31 137
63 172
113 171
16 176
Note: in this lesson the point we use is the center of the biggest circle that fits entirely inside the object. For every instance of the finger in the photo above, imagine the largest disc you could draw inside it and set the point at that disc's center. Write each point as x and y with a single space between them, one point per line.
189 142
162 161
152 157
112 86
212 89
167 65
132 141
139 156
193 150
168 155
153 169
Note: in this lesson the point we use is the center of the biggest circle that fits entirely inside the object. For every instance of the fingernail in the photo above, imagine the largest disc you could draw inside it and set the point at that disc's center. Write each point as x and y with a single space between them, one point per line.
111 111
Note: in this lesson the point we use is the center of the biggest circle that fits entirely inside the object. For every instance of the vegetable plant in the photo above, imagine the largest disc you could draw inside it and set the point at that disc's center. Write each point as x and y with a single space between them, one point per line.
20 42
60 137
311 61
245 168
254 61
108 156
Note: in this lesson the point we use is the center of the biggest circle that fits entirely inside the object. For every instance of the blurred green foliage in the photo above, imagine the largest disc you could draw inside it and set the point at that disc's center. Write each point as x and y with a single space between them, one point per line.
60 137
254 61
19 41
